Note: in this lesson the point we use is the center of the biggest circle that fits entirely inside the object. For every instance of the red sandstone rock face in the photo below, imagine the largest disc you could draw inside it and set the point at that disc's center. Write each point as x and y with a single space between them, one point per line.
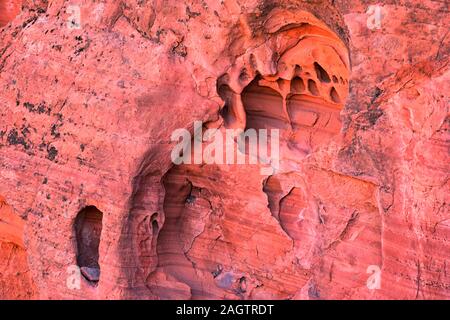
91 93
8 10
15 278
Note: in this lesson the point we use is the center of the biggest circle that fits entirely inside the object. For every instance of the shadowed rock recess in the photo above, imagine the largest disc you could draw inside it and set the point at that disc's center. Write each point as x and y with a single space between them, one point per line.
92 206
88 228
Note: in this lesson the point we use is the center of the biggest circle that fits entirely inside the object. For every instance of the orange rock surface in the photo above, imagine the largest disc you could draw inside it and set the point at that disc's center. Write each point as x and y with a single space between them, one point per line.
8 10
92 206
15 278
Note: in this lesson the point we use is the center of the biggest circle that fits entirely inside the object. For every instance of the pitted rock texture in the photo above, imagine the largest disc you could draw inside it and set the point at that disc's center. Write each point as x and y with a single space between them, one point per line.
91 92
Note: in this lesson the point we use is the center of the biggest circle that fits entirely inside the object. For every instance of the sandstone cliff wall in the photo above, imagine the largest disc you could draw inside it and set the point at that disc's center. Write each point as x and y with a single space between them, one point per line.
92 91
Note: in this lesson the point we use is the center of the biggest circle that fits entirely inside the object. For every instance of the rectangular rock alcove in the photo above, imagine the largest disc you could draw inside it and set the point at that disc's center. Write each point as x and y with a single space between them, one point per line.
88 228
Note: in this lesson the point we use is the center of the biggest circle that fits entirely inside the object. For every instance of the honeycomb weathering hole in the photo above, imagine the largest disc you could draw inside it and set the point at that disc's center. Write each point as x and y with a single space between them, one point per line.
335 96
322 75
312 87
297 85
299 89
88 228
263 107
